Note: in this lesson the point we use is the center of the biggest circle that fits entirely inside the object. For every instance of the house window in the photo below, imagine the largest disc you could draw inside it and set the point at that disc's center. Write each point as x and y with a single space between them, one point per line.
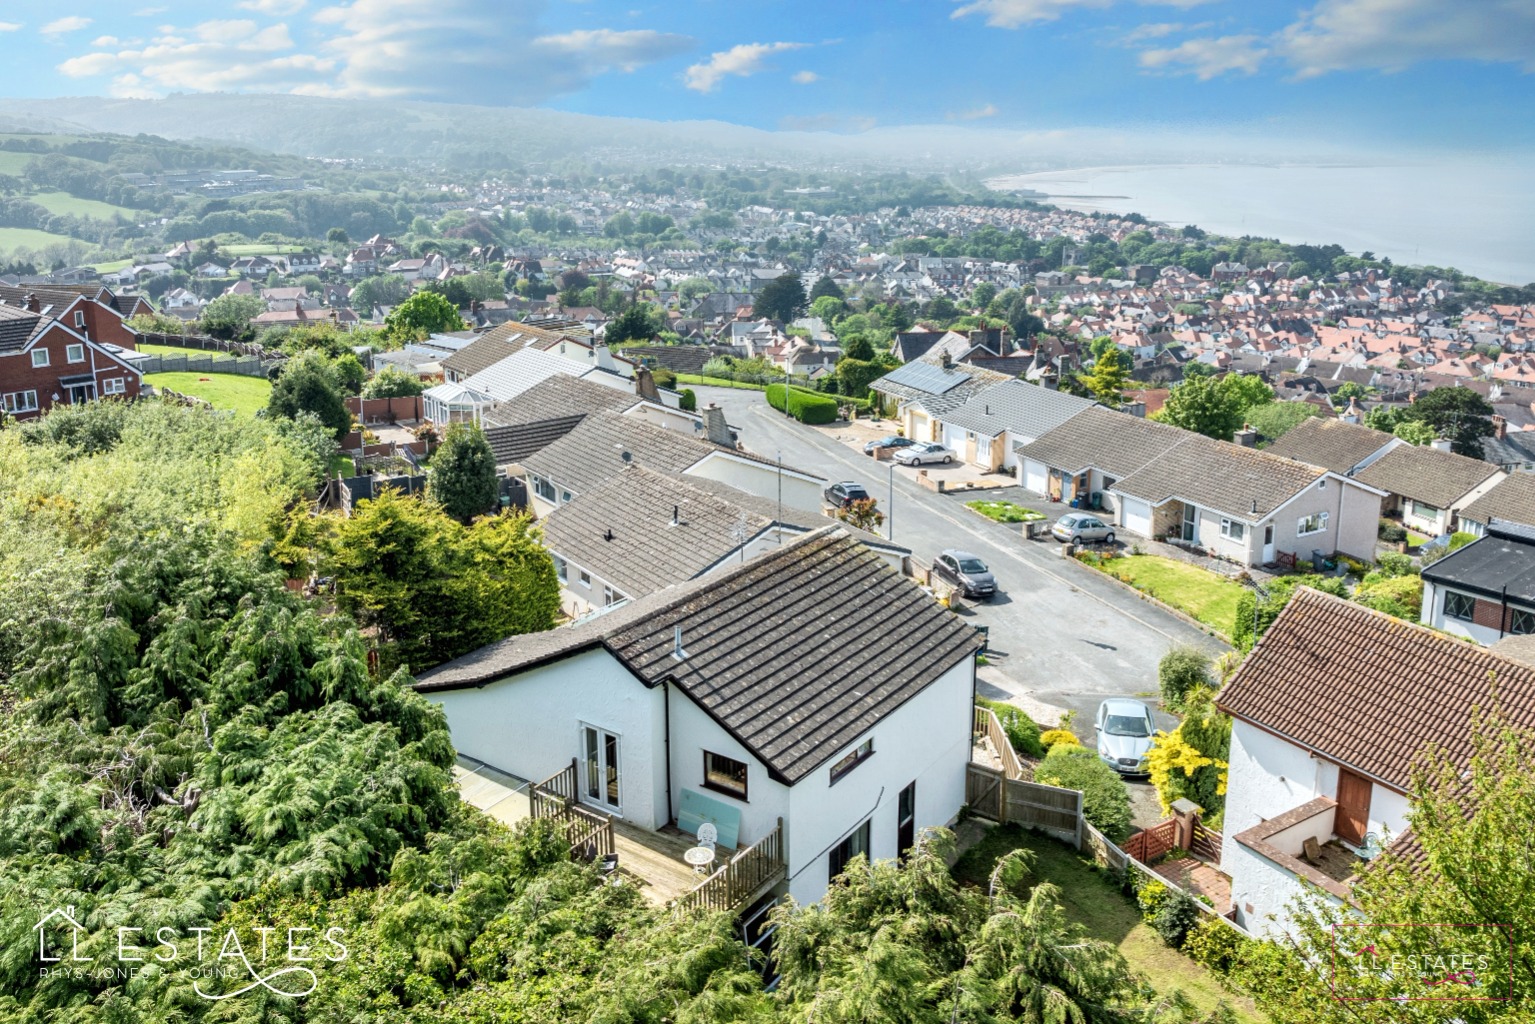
586 579
1459 606
1314 523
560 569
75 353
1521 622
725 774
113 386
856 757
1423 511
565 497
1233 529
849 848
21 401
39 357
609 598
543 488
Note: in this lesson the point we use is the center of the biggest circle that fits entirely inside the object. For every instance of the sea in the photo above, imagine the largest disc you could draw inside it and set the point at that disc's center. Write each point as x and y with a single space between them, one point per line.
1477 215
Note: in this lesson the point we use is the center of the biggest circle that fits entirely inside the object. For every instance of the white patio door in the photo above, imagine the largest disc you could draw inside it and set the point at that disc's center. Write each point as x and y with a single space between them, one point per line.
599 768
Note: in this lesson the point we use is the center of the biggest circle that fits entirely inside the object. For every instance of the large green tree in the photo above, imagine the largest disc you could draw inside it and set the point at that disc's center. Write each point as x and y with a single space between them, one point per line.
230 316
640 322
825 287
1200 404
463 479
1456 413
423 314
1108 378
309 384
782 298
393 382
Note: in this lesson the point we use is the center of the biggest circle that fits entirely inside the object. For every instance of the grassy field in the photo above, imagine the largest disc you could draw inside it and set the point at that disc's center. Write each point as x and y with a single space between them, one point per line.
717 382
1208 597
1091 899
222 390
14 163
74 206
30 238
258 249
176 350
111 266
1004 511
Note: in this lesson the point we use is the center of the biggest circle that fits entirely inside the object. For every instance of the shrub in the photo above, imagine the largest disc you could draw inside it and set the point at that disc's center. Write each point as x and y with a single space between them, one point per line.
1391 532
689 401
1457 541
1401 596
1180 671
1394 563
1175 917
1022 731
805 406
1149 896
1104 801
1191 761
1051 738
1354 565
1214 945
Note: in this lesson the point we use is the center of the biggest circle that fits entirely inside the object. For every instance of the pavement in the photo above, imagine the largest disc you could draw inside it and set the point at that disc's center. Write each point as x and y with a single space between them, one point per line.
1063 637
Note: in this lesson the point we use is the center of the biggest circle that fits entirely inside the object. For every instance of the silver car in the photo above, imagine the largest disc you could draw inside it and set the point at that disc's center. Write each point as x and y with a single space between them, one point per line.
1081 528
922 454
1125 730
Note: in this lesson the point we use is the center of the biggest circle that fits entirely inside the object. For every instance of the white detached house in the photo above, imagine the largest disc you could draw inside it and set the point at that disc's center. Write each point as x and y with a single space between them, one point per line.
813 685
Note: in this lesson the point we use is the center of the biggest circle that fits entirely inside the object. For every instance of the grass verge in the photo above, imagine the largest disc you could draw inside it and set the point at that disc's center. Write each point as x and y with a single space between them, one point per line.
1198 593
717 382
1092 899
244 395
1004 511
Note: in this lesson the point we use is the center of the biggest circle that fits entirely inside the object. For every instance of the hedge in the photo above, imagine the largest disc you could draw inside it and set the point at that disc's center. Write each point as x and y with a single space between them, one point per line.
1104 800
805 406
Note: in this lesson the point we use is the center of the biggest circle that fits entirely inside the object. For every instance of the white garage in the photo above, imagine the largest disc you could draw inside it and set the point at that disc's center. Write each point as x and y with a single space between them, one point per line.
1136 515
1035 476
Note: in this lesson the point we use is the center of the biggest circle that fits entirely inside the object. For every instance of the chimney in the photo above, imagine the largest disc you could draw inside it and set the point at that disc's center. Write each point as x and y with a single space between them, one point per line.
716 430
645 385
1247 437
1499 427
31 302
1441 443
1352 413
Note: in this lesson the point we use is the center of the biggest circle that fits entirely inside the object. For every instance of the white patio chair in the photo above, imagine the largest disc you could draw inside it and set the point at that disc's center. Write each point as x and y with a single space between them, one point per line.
708 835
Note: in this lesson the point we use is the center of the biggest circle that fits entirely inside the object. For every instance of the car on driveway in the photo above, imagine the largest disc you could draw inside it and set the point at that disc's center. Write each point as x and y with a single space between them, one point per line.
842 495
922 454
966 572
1125 729
1081 528
887 443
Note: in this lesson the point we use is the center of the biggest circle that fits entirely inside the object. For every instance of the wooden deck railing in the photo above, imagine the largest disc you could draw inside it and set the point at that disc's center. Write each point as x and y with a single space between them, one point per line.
988 725
742 876
590 834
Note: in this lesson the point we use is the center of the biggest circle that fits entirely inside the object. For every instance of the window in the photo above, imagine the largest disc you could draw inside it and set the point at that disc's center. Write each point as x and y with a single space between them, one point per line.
1459 606
725 774
849 848
21 401
1423 511
565 497
586 579
560 569
543 488
79 319
39 357
75 353
858 756
1314 523
609 598
1522 621
113 386
1232 529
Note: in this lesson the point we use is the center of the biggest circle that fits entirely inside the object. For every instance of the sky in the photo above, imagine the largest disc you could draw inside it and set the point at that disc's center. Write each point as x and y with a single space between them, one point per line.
1445 74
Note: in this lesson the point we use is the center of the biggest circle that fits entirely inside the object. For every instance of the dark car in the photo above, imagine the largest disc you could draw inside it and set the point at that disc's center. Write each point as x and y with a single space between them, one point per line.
965 571
844 494
887 443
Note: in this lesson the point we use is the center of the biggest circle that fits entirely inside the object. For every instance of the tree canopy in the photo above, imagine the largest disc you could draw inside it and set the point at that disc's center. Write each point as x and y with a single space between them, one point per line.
309 384
782 298
424 313
1456 413
463 473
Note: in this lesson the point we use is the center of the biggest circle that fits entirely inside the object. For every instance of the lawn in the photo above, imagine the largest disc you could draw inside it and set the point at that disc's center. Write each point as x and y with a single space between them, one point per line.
258 249
13 163
28 238
1207 596
1004 511
717 382
1093 900
111 266
222 390
74 206
176 350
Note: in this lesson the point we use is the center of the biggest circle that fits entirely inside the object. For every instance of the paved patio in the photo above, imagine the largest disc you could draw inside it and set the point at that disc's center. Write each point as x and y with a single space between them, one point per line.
1199 878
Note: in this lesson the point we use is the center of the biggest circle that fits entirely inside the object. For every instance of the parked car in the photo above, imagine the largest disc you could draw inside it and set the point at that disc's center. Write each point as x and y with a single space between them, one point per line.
893 441
965 571
1125 729
922 454
1082 527
844 494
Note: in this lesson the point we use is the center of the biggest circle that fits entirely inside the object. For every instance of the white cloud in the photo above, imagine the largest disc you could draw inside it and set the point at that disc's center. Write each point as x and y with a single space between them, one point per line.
131 87
603 49
1017 13
106 41
275 8
989 110
9 26
744 60
1390 35
226 55
1208 58
149 12
72 23
805 77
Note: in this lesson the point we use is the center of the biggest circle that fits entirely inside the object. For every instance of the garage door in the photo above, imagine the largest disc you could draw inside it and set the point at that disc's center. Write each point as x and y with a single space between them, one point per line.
954 437
1034 475
1137 516
918 426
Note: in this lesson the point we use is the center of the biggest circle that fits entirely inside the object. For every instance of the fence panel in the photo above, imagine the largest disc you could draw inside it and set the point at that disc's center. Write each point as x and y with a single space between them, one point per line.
1032 804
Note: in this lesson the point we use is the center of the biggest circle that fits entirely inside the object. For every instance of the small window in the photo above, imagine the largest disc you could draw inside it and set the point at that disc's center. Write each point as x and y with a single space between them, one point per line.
39 357
543 488
586 579
1424 511
609 597
858 756
565 497
113 386
1459 606
79 320
1314 523
845 851
1521 622
75 353
725 774
561 570
1321 484
1232 529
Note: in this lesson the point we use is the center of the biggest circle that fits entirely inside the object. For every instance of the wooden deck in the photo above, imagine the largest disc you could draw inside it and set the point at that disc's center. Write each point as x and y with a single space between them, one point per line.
654 859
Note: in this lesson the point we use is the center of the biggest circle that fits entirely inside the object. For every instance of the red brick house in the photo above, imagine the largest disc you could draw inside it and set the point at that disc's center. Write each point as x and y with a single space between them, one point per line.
45 362
92 309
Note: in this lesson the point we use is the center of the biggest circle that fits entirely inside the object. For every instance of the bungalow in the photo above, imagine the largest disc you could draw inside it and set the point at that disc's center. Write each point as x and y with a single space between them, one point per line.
747 700
1336 445
1511 499
1328 713
1485 590
1090 452
987 429
1428 486
921 391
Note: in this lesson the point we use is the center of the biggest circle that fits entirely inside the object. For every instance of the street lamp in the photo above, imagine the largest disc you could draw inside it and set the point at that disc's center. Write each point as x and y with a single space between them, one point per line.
890 505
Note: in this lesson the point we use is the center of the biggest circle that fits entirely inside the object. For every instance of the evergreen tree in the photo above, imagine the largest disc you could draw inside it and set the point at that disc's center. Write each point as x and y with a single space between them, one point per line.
308 384
464 480
1108 378
1456 413
782 299
825 286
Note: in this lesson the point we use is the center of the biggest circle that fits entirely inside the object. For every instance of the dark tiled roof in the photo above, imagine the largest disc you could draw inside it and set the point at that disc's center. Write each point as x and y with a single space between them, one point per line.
1241 482
558 397
1426 474
1511 499
794 677
17 327
515 442
1370 691
1331 444
1114 442
677 358
1512 449
1498 565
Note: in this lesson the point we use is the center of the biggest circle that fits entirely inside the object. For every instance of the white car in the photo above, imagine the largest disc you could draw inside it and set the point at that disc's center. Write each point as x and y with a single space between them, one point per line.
1125 730
922 454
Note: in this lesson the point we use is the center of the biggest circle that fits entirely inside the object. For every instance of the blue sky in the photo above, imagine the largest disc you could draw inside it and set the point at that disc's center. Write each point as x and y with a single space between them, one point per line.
1388 73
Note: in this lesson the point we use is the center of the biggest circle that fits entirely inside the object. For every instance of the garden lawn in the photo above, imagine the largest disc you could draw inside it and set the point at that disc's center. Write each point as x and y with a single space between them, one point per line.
74 206
222 390
1004 511
1207 596
177 350
258 249
717 382
1092 899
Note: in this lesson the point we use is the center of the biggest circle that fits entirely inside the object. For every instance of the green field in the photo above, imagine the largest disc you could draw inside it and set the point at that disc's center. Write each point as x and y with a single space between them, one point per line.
1091 899
14 163
1207 596
74 206
113 265
222 390
174 350
28 238
258 249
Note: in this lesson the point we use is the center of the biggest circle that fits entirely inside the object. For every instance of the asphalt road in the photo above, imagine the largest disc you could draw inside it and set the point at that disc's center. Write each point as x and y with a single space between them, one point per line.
1063 637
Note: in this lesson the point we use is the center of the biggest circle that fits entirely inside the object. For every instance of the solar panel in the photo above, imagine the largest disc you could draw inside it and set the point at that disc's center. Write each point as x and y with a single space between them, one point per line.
934 380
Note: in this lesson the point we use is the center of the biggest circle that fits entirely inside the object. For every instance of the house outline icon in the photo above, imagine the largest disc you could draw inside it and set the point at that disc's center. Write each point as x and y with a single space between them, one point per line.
76 928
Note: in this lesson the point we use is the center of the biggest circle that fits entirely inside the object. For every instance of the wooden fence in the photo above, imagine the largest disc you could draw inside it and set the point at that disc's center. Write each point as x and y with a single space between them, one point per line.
1207 843
1106 853
742 876
1152 843
590 834
987 724
991 794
